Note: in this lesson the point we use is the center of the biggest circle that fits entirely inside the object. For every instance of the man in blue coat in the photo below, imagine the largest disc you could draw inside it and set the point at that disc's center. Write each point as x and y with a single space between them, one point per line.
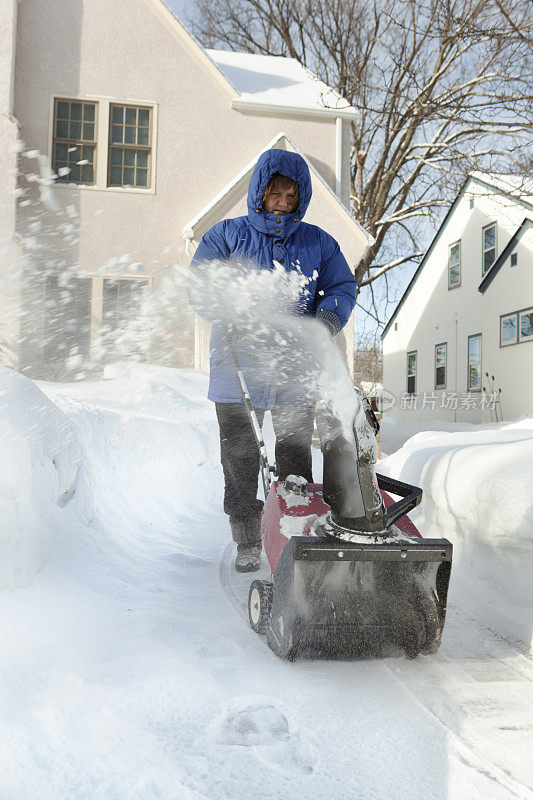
271 234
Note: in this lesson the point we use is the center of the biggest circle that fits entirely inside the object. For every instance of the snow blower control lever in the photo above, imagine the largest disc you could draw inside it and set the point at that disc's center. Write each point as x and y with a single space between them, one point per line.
265 468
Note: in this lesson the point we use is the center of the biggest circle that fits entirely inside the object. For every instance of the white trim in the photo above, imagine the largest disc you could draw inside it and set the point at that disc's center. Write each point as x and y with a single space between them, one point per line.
232 189
241 104
522 338
189 229
195 49
338 157
504 317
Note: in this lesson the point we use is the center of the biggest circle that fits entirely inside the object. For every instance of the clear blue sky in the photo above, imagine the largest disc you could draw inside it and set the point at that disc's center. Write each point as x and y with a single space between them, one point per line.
181 8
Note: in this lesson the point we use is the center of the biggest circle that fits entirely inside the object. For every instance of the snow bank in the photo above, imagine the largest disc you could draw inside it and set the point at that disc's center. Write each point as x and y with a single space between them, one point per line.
39 459
394 436
128 668
477 493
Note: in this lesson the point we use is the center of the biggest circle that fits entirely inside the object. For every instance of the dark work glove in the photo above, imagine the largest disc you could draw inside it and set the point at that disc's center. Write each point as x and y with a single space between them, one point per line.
330 320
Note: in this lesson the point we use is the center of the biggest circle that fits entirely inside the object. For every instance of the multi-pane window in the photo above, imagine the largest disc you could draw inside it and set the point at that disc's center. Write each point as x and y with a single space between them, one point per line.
68 319
525 330
130 140
508 329
411 372
440 365
74 142
122 301
122 327
454 265
474 363
516 327
489 246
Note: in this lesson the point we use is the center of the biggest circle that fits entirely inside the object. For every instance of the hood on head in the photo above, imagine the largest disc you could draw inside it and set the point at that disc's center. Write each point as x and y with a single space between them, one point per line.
293 166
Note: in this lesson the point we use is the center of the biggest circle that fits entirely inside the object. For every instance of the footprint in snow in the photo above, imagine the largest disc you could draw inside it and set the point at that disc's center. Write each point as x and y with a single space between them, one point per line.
265 728
255 724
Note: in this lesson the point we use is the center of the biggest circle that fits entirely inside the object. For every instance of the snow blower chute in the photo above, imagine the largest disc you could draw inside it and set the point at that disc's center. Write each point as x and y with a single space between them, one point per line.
351 574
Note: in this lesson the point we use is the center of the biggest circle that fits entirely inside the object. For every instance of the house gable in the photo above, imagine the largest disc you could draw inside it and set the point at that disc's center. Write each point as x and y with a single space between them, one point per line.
236 191
467 187
192 46
257 83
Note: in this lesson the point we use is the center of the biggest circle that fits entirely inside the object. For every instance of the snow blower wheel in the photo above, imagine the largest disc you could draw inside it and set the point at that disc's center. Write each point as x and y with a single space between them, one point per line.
259 605
358 579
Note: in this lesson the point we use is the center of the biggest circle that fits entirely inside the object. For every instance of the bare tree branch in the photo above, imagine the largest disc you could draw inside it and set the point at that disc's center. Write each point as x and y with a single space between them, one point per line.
442 87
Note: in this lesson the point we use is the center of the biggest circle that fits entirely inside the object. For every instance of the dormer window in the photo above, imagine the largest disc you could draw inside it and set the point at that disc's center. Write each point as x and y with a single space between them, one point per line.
489 247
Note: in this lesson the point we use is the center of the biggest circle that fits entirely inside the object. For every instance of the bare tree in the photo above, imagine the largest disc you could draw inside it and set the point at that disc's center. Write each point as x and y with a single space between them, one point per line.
368 361
442 88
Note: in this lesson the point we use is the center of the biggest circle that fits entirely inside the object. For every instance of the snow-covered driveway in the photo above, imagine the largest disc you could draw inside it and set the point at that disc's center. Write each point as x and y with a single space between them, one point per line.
127 668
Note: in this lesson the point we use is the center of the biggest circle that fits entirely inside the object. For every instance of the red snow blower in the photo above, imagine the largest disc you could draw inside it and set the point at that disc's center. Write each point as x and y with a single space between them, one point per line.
351 574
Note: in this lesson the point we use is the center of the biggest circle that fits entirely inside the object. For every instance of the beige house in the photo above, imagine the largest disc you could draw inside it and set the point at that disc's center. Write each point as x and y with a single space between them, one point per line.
468 311
132 141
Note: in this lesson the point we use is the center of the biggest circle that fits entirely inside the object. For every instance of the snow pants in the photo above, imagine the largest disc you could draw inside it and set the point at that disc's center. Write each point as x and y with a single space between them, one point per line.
293 426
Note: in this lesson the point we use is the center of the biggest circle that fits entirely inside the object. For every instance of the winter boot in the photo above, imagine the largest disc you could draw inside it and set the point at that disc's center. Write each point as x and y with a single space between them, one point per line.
247 534
248 557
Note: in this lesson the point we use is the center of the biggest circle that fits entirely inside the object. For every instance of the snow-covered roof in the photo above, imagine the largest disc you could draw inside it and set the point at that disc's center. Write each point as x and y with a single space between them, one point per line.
275 83
236 188
518 186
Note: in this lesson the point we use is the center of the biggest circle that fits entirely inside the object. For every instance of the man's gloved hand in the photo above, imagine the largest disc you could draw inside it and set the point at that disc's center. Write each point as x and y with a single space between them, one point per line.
330 320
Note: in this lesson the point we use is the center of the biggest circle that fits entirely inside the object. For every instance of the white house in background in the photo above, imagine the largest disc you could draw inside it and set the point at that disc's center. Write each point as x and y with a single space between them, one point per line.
468 311
151 140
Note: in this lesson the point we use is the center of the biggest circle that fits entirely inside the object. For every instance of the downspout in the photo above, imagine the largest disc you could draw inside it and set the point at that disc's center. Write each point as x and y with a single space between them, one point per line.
338 157
456 387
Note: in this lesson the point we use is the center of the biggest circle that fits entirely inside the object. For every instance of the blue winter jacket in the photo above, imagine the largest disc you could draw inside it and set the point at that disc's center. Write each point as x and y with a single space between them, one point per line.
263 238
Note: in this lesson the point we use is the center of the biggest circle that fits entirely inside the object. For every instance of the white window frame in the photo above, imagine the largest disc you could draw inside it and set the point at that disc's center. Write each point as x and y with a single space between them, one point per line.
520 314
411 374
458 283
469 362
486 249
441 385
102 142
503 317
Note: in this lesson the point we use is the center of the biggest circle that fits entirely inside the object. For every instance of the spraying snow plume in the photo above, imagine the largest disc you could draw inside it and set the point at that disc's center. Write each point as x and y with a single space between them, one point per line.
260 308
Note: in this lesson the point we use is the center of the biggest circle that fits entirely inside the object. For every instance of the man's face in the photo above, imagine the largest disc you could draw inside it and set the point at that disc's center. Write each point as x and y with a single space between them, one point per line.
281 201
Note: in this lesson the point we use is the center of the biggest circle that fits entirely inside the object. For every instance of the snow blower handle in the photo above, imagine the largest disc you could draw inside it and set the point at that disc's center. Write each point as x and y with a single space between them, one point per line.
265 467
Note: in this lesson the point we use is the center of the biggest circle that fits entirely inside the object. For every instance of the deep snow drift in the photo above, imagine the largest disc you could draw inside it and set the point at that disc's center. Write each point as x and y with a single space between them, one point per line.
125 671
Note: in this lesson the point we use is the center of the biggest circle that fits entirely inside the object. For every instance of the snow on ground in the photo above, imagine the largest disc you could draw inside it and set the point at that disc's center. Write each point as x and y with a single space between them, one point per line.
477 487
127 668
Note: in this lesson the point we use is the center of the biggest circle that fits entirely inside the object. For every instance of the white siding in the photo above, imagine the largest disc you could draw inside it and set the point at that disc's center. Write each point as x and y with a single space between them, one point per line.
432 313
